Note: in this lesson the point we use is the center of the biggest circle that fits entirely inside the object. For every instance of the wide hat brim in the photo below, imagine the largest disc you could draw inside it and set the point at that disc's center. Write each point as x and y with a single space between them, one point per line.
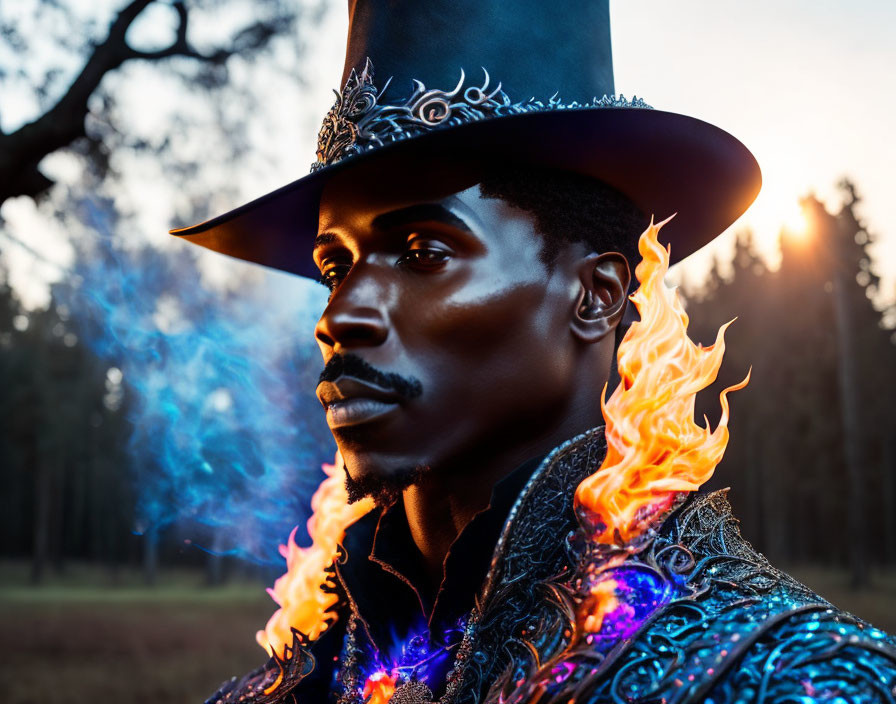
665 162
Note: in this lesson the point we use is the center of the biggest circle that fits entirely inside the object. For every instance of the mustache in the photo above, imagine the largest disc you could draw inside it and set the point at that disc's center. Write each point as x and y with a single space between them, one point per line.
352 365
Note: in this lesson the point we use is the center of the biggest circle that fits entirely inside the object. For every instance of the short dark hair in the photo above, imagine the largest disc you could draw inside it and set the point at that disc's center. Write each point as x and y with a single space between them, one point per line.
569 207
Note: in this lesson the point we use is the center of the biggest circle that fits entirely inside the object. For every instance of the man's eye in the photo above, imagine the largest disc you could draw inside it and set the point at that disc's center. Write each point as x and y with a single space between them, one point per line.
425 256
331 277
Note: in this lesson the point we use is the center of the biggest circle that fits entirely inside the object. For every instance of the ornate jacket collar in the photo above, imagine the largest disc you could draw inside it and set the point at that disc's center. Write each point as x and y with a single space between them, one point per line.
702 614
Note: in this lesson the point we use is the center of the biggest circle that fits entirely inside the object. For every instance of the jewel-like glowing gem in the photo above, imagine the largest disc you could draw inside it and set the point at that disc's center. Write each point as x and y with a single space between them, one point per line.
655 450
303 591
379 688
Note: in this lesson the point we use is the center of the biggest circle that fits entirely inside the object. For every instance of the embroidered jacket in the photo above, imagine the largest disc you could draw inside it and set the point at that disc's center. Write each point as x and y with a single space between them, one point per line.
697 616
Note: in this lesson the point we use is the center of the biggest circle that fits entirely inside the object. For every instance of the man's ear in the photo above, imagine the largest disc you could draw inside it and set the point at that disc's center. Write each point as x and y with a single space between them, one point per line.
601 303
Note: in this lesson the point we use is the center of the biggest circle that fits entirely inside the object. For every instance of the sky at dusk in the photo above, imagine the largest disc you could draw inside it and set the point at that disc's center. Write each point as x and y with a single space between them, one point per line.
808 86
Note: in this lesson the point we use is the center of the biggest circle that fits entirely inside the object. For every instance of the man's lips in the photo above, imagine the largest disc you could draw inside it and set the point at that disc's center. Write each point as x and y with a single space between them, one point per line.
350 401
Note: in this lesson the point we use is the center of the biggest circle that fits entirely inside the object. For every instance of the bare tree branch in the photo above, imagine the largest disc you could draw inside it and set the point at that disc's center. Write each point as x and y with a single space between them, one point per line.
180 47
22 150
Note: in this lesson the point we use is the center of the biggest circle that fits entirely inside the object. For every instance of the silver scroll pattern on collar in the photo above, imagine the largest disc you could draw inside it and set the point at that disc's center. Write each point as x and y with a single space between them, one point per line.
357 122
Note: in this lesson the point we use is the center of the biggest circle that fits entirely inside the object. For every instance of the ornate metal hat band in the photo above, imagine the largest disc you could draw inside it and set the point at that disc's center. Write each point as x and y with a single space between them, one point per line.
357 122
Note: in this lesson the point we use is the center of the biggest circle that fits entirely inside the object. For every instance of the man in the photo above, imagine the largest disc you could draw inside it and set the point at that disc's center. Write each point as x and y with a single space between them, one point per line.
478 247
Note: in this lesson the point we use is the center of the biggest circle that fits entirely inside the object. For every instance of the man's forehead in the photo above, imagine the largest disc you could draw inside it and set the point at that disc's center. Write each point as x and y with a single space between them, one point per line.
387 211
373 188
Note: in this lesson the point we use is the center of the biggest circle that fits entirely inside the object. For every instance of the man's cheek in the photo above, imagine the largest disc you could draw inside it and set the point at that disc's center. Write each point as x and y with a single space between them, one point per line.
472 327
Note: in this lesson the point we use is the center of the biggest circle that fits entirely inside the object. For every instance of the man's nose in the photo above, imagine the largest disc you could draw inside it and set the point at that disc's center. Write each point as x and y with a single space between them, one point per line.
350 322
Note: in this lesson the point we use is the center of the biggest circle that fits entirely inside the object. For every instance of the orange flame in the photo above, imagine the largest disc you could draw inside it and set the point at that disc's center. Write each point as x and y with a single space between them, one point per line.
654 448
302 592
379 688
600 601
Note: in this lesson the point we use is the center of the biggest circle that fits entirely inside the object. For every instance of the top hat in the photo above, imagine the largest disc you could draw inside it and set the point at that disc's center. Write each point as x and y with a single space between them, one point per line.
527 81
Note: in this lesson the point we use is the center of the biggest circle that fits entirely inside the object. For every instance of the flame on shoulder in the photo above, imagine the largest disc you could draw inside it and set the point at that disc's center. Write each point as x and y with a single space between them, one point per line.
304 592
655 450
379 687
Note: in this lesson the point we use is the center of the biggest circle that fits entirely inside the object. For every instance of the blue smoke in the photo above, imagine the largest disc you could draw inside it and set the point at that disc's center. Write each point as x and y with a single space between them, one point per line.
226 429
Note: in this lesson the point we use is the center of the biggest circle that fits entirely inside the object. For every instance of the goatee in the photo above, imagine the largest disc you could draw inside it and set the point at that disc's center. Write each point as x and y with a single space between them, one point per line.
385 490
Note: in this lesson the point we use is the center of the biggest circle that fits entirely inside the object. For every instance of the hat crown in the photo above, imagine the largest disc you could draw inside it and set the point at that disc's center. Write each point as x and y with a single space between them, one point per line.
535 48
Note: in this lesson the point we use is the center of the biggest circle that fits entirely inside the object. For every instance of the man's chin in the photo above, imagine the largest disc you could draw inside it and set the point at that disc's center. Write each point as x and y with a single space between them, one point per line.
384 489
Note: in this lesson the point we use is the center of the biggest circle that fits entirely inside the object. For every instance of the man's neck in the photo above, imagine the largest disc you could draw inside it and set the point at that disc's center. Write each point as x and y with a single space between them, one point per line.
440 506
436 516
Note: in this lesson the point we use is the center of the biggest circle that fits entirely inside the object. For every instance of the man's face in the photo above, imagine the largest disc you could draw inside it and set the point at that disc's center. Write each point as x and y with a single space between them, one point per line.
441 304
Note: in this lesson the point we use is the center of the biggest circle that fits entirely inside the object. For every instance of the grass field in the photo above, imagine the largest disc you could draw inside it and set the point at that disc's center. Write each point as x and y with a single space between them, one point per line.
73 642
77 640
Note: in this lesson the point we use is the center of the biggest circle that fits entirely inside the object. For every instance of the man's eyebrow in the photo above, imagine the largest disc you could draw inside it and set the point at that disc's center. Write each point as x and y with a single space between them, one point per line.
420 212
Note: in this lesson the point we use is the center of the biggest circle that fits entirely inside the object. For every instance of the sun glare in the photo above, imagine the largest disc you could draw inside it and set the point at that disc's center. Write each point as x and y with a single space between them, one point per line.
794 223
784 179
777 208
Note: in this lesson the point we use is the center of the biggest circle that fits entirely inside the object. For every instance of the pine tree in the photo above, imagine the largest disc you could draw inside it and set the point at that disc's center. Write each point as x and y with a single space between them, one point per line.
812 450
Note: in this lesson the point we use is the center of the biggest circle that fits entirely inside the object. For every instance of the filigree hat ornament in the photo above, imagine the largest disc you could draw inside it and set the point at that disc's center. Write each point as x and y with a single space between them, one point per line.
359 122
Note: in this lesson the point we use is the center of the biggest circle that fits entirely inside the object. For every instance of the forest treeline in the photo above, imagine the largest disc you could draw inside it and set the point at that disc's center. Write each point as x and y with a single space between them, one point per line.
811 461
64 467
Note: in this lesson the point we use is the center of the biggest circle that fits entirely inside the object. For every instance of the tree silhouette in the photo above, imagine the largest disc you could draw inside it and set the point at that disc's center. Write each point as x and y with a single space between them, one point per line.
86 375
811 456
82 114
